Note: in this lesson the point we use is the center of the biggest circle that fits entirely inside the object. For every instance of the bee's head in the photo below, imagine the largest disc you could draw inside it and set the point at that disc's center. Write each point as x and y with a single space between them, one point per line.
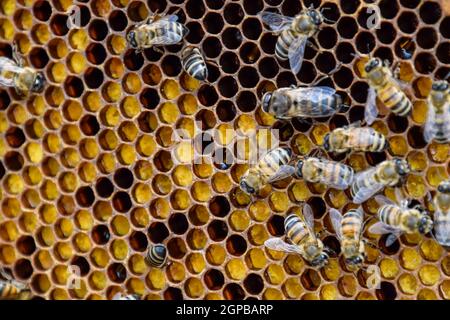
444 186
131 38
321 260
246 187
402 166
326 142
441 85
425 224
372 64
267 97
39 82
355 262
316 16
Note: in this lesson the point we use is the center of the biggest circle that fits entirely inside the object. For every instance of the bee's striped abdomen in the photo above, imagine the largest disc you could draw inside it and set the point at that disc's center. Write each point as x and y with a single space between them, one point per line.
284 41
443 223
7 290
390 215
395 99
271 163
195 65
352 224
157 256
172 31
296 229
336 173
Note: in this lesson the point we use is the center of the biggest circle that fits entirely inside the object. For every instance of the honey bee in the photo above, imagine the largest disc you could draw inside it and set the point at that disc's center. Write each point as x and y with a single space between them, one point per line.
300 232
356 138
349 232
369 182
11 289
318 170
23 79
293 34
442 214
384 86
437 126
311 102
273 166
156 30
194 64
119 296
397 219
157 256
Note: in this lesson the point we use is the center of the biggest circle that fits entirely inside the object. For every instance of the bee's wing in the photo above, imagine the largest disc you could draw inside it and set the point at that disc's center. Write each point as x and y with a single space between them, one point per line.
296 53
441 229
164 38
117 296
279 245
171 18
382 200
315 94
308 216
365 193
381 228
283 172
8 66
430 125
371 112
275 21
339 184
336 221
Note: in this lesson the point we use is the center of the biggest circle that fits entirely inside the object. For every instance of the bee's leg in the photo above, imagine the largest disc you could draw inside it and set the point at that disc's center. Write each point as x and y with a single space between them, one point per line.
371 244
16 55
312 45
157 49
5 274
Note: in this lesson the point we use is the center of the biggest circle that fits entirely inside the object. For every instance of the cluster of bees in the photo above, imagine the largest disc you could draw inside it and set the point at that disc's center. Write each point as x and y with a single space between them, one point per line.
280 163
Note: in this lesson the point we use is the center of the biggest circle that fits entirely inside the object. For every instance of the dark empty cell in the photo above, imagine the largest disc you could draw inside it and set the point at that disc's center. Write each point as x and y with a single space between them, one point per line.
213 22
207 95
231 38
98 30
442 53
157 232
252 7
343 78
268 67
85 196
212 47
268 42
2 170
347 28
163 161
195 9
246 101
275 225
307 73
312 3
157 6
252 28
285 130
356 114
384 53
214 279
273 2
338 121
73 86
206 118
226 111
101 234
89 125
442 73
151 54
178 223
177 248
173 293
386 33
325 62
149 98
310 279
117 272
104 187
388 8
430 12
217 230
134 11
408 22
386 291
359 91
138 241
368 17
118 20
39 58
196 32
13 161
327 37
133 60
396 123
248 77
365 42
233 13
122 201
219 206
345 52
332 243
93 77
331 12
249 53
415 138
404 48
445 27
42 10
213 73
96 53
223 158
286 79
229 62
233 291
15 137
26 245
425 63
23 269
375 158
171 65
349 6
253 283
427 38
58 24
5 100
410 3
85 16
318 206
236 245
228 87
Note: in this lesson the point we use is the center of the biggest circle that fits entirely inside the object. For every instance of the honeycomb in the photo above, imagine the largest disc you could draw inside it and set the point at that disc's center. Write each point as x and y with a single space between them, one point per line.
91 175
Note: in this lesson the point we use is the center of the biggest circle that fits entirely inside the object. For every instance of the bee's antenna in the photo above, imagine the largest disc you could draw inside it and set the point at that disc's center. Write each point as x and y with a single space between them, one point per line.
447 76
